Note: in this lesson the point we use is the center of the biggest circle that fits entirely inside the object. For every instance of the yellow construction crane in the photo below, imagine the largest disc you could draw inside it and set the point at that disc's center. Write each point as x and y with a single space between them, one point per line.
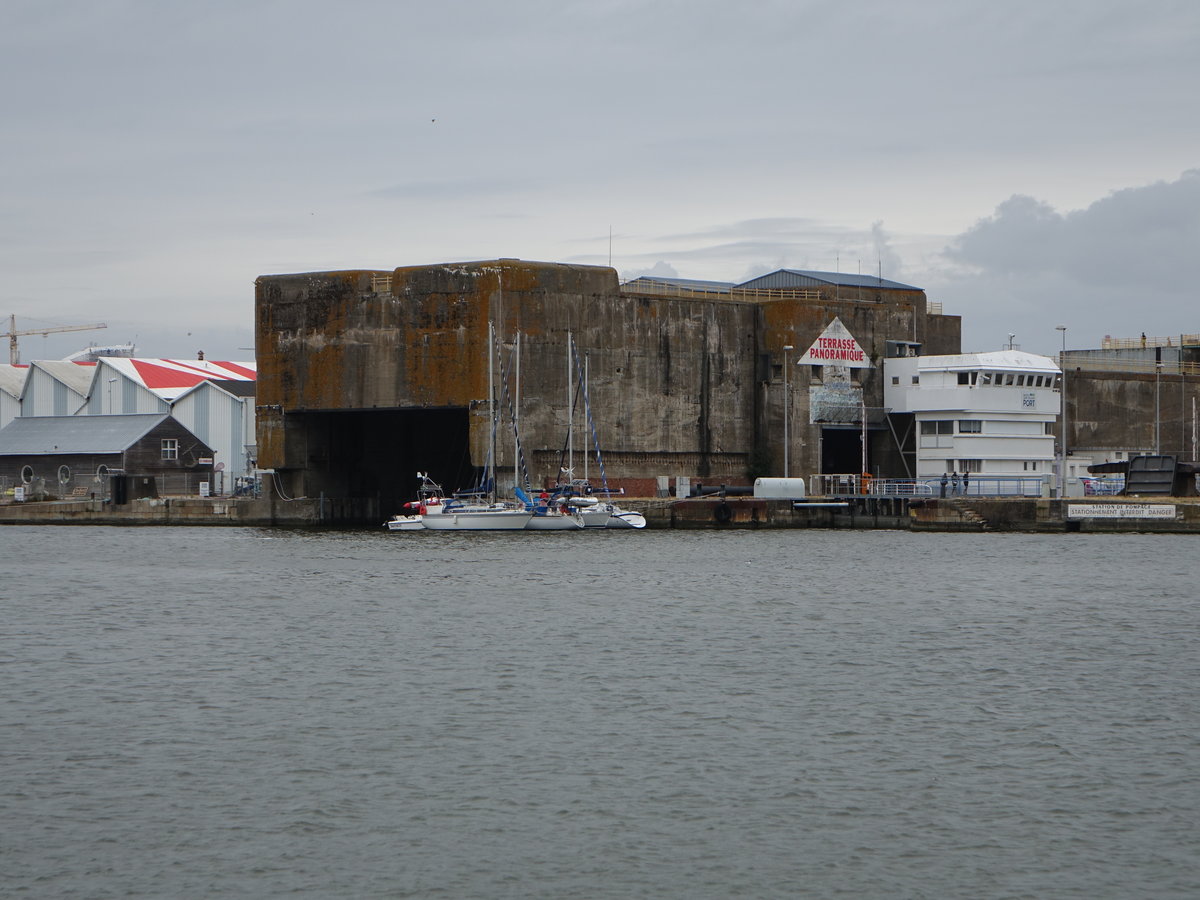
14 355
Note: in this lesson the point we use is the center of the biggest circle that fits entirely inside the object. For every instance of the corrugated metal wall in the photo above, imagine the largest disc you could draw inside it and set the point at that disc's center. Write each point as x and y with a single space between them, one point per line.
45 395
218 419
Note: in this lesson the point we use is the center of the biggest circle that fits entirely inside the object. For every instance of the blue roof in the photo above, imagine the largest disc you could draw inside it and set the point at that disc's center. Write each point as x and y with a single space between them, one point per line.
779 279
801 278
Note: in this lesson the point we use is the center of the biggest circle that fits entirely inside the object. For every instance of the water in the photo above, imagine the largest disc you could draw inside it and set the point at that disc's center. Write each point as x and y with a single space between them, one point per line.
255 713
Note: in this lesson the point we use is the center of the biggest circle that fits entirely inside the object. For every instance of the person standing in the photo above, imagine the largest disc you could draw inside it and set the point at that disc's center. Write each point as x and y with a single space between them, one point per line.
966 481
954 482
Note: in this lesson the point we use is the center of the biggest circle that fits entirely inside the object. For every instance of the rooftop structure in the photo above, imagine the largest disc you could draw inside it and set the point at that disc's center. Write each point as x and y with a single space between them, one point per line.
167 379
802 278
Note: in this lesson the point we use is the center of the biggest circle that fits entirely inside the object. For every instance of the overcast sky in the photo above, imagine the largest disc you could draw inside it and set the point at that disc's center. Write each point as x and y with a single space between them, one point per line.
1029 163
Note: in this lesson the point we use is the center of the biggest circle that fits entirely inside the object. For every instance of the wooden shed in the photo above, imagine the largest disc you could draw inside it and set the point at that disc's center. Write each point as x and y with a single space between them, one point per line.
63 456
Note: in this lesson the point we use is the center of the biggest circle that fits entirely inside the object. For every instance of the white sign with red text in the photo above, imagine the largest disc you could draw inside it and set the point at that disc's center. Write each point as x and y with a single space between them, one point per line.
835 347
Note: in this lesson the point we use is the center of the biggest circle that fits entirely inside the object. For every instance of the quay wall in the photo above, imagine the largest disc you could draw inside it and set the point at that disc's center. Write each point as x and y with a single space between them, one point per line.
263 512
697 513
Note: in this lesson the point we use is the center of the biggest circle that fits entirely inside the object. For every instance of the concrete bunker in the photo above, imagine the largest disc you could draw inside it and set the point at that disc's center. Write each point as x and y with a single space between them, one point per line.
367 377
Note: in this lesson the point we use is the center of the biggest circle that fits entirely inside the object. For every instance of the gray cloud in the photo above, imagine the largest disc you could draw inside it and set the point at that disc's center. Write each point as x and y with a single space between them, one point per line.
1126 264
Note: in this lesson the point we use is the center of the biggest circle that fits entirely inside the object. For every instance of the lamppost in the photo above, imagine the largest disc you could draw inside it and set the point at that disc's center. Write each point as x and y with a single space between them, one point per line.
1062 440
1157 408
787 409
111 382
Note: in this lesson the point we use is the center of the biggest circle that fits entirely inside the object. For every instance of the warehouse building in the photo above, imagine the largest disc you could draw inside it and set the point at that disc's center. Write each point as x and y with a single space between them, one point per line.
213 399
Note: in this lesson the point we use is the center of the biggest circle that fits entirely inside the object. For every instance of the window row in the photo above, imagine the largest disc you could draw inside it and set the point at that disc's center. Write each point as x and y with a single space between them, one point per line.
976 465
1007 379
964 465
997 379
975 426
946 426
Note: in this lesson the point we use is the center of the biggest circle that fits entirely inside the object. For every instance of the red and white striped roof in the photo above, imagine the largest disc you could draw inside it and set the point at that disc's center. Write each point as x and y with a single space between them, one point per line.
168 378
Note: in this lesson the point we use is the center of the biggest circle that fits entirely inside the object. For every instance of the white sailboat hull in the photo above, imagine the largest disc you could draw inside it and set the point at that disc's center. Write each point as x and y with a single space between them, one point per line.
405 523
555 521
609 515
477 520
626 519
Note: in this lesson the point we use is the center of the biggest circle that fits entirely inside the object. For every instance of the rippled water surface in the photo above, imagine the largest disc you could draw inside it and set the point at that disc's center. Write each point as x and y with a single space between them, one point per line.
256 713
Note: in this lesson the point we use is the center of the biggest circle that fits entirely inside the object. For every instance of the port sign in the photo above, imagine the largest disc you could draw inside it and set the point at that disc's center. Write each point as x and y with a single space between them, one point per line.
836 347
1120 511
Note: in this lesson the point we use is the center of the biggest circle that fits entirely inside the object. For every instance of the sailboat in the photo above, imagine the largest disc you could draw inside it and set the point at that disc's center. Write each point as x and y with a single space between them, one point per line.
549 513
480 510
595 508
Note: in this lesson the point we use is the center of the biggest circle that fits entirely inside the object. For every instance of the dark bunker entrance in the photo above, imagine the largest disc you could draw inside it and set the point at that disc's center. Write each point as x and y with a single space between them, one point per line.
369 455
841 450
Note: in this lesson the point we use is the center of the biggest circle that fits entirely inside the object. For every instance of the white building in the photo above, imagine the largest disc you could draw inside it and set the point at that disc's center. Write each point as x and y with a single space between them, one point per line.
12 384
984 413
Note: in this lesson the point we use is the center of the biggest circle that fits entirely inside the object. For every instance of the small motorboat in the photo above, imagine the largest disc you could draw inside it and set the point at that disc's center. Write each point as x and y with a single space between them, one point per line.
429 499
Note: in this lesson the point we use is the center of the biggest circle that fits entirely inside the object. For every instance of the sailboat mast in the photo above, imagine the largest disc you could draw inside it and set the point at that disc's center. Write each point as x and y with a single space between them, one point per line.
516 413
587 367
490 470
570 414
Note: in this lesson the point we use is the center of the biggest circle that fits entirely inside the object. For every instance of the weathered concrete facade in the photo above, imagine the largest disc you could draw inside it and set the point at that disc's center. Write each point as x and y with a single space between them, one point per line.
366 377
1111 411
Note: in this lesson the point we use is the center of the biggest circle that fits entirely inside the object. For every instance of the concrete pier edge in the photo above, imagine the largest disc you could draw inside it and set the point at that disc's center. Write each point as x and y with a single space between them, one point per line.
960 514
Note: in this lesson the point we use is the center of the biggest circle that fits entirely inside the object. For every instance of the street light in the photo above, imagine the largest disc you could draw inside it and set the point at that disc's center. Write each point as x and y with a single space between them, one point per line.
1157 408
787 409
1062 439
111 382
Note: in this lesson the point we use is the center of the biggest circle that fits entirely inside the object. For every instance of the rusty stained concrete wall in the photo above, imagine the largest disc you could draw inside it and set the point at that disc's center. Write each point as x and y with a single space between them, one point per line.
677 386
329 341
1109 411
942 335
898 316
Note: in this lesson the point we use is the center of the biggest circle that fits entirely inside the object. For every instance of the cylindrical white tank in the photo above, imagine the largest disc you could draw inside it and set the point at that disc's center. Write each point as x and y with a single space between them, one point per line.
779 488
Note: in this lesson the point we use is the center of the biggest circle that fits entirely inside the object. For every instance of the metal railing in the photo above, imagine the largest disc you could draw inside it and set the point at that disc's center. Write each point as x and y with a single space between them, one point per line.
1087 363
677 290
776 293
1177 340
845 485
